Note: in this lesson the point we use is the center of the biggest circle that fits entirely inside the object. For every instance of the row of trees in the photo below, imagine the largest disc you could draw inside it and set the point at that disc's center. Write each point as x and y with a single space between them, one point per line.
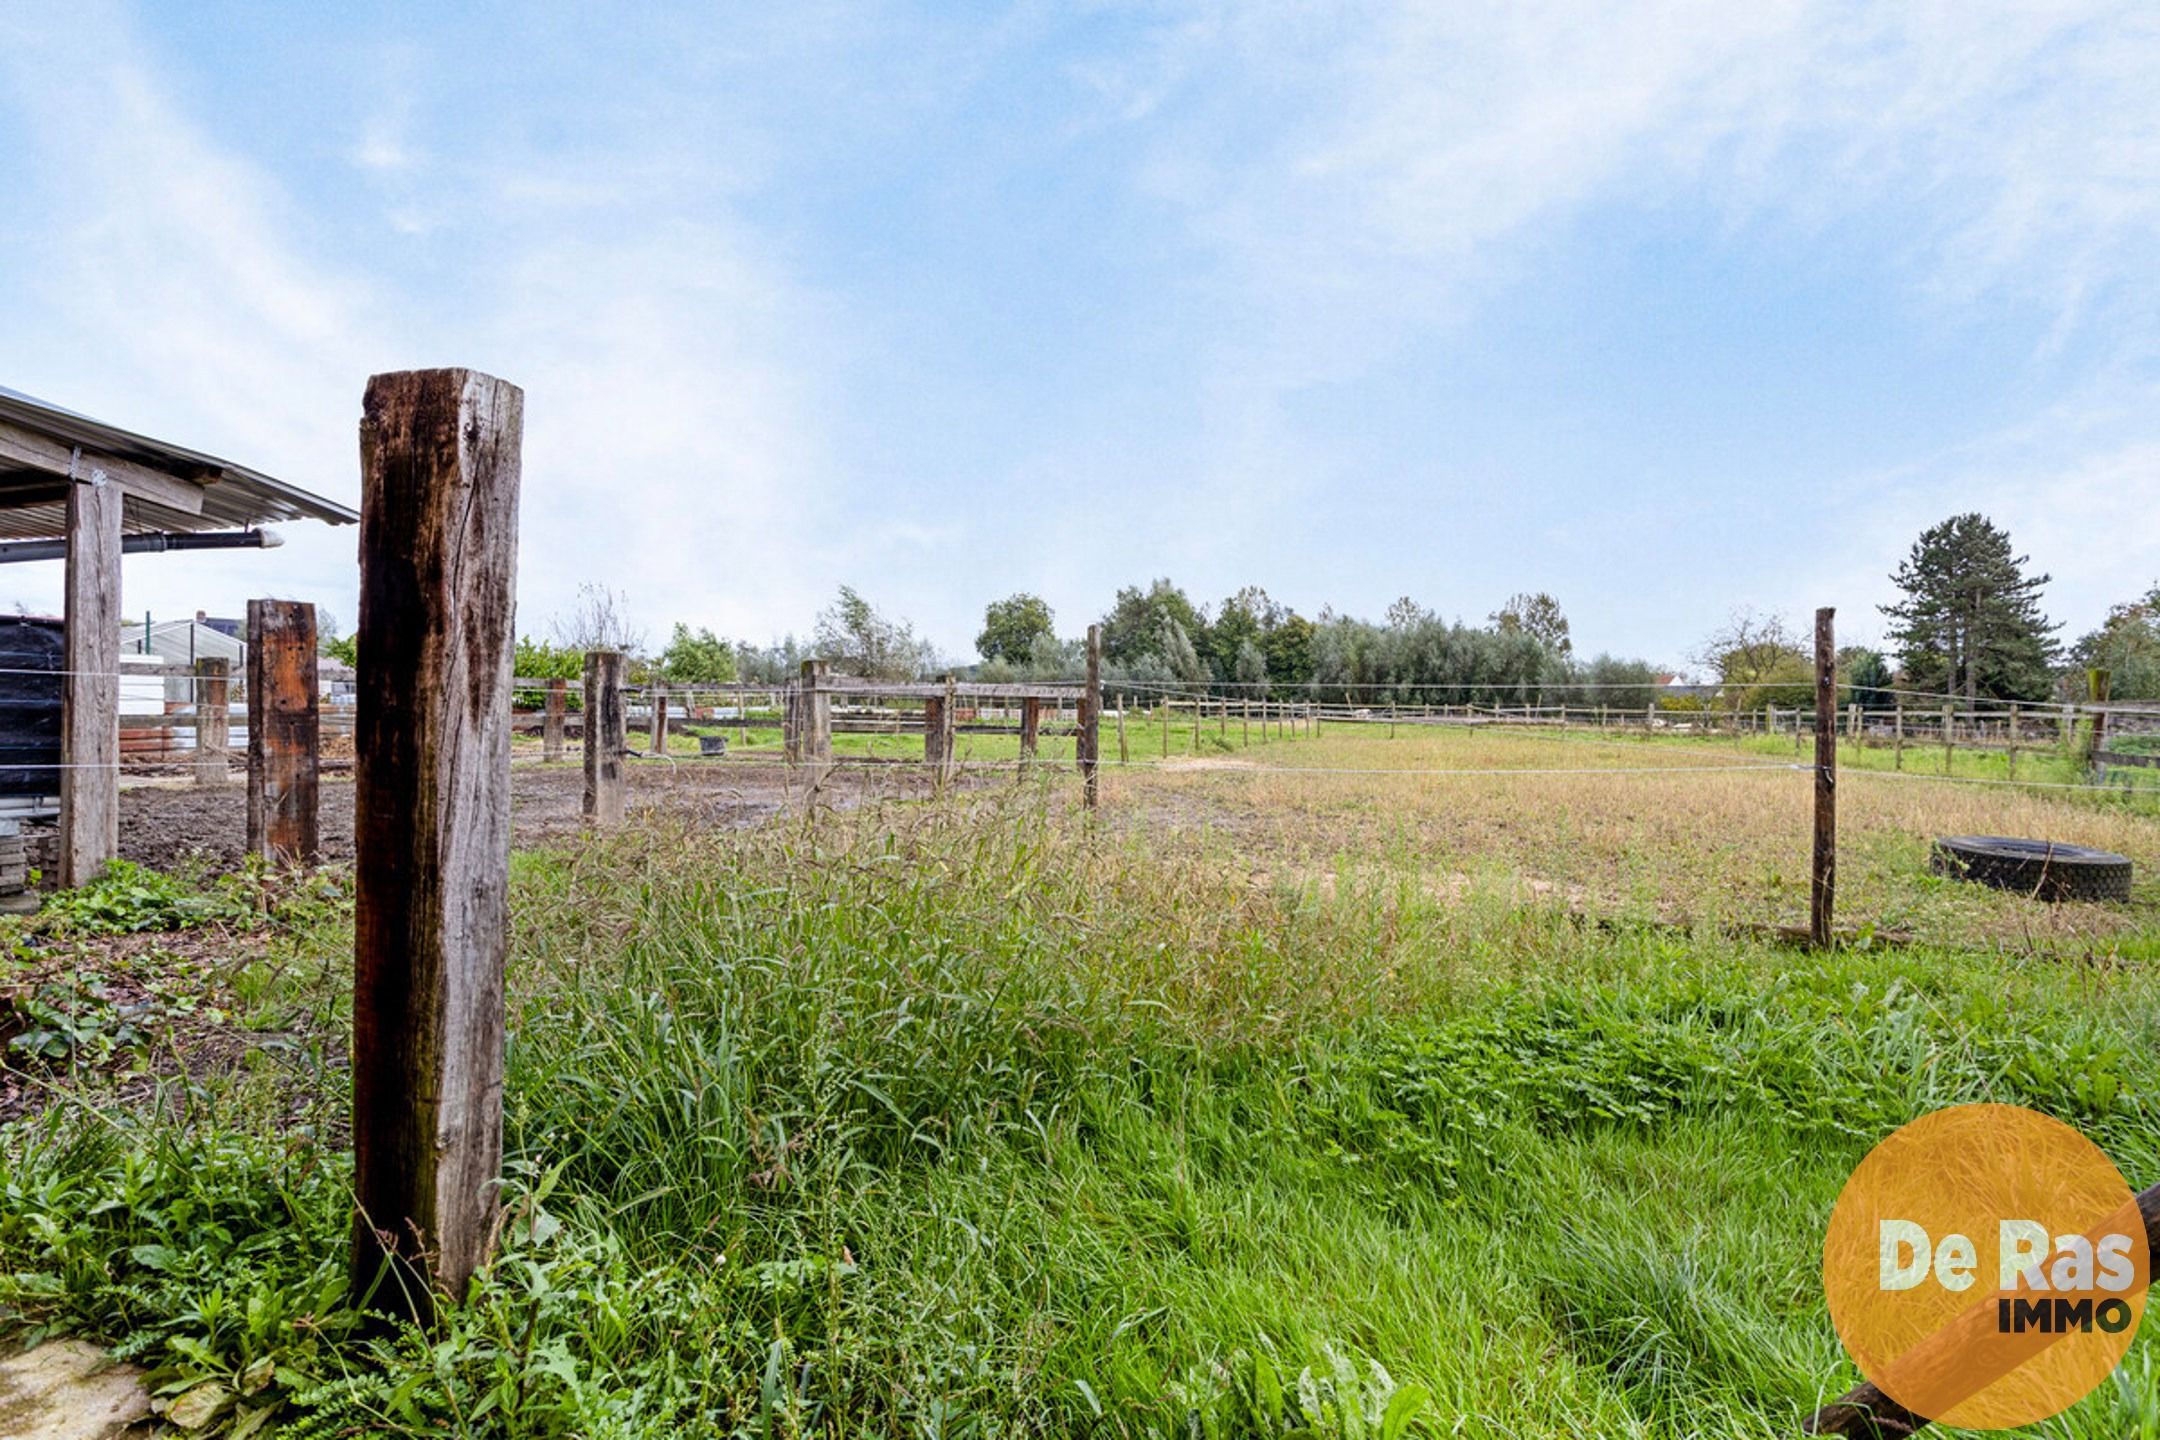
1968 623
1254 644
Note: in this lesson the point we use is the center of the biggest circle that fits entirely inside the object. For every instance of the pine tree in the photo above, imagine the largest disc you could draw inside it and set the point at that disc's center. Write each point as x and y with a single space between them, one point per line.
1971 620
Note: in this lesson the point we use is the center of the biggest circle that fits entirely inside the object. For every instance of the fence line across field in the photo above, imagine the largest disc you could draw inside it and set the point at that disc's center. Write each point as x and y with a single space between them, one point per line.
1313 688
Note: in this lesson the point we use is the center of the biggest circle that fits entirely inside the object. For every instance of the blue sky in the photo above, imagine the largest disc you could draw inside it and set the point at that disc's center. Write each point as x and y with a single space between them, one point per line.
1667 309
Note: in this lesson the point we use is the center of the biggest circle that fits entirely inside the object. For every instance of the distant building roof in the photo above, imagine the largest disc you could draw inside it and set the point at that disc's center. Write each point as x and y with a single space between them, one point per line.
170 488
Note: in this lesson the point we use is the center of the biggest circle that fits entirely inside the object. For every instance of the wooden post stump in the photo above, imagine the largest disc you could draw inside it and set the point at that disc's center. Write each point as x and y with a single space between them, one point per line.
439 458
284 709
659 719
607 736
213 719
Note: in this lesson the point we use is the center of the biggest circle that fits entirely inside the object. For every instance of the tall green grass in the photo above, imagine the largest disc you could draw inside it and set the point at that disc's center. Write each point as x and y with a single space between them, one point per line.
974 1120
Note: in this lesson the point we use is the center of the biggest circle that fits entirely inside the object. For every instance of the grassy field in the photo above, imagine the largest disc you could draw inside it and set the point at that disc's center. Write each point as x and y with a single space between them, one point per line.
1289 1095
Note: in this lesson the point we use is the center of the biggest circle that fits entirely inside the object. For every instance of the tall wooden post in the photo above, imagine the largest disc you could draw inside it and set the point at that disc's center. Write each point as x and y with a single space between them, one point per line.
1822 888
439 460
2011 734
659 719
949 747
791 726
1897 742
2097 683
284 710
935 735
1949 729
1030 728
814 721
90 694
1163 710
213 719
551 727
1124 754
1089 746
607 735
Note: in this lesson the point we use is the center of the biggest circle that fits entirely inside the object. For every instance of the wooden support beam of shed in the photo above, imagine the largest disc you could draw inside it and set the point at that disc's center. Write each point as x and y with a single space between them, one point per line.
90 704
41 452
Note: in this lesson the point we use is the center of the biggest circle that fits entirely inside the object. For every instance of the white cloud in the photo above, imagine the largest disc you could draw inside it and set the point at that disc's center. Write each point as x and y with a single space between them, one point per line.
1383 165
670 448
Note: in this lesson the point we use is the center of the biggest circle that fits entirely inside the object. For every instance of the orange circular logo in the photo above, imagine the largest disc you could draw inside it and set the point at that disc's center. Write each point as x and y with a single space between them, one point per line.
1986 1266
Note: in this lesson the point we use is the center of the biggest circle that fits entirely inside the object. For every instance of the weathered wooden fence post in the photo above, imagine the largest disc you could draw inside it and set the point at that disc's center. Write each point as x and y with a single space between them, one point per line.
1897 741
284 710
90 687
2097 683
439 459
213 719
659 719
950 748
1949 729
1822 889
814 722
2011 734
553 725
936 735
1089 741
607 735
1030 728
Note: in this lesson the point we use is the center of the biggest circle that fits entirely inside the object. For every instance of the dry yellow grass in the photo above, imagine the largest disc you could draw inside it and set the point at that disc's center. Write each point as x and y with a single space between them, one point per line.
1683 842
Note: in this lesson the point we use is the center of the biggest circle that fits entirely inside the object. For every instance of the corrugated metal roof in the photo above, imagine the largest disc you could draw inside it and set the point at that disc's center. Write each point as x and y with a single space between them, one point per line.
33 506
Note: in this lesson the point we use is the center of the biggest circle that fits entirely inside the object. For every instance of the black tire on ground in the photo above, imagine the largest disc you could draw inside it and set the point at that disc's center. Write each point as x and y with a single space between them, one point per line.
2043 869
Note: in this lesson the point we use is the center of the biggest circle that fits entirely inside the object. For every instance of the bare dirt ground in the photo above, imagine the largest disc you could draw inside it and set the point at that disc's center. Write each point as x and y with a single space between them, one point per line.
178 824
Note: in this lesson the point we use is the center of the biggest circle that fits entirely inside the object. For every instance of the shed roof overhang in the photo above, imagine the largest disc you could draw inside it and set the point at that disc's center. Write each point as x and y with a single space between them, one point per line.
169 488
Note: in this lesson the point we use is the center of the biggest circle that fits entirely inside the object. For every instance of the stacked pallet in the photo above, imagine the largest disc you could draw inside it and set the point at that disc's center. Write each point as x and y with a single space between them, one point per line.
14 859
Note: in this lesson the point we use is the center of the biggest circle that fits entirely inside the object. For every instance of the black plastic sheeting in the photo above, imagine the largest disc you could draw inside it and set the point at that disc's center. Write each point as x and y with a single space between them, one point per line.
31 661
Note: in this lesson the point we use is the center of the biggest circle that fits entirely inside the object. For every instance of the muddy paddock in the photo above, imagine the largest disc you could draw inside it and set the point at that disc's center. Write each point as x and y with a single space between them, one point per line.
168 824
